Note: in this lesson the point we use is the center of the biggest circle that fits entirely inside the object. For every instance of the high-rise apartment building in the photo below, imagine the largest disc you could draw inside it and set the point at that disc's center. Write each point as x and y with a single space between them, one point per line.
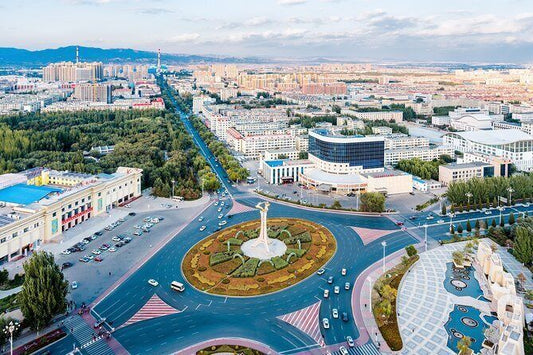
73 72
93 92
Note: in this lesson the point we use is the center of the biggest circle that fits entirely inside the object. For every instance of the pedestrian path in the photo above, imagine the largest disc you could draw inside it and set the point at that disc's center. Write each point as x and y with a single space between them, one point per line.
155 307
306 320
84 335
367 349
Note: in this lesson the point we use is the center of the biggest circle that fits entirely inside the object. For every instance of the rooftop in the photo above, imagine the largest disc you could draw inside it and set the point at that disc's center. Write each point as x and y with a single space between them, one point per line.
460 166
329 178
495 137
23 194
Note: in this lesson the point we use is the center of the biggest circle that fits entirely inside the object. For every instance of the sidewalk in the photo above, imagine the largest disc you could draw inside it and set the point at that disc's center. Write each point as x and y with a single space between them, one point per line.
361 301
6 293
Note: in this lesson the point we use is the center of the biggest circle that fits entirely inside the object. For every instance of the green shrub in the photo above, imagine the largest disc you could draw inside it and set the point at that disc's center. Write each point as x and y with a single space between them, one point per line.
248 269
225 281
411 250
279 263
235 241
222 257
304 238
299 252
202 268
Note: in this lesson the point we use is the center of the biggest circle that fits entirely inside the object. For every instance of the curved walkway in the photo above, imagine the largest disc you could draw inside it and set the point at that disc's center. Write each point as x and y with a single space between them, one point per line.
229 341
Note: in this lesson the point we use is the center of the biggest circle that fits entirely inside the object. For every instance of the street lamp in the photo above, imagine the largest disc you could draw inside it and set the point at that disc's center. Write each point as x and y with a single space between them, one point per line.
468 196
383 244
369 279
357 199
426 235
9 330
510 190
501 209
173 184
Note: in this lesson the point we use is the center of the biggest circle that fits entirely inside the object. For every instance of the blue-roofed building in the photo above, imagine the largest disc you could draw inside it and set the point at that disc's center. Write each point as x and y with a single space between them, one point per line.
38 205
284 170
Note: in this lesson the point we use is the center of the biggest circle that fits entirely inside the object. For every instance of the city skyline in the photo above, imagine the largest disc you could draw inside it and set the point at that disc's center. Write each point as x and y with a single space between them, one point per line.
344 30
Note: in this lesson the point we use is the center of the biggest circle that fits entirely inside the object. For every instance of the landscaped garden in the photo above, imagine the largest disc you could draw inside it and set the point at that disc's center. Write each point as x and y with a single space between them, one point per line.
218 265
384 296
228 349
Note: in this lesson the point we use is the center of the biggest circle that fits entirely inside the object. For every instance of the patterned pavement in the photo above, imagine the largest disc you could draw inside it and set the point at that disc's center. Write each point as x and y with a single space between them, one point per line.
239 208
307 320
369 235
155 307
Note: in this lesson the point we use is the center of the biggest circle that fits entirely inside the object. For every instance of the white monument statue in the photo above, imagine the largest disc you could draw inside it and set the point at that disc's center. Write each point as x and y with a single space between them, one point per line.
263 233
263 247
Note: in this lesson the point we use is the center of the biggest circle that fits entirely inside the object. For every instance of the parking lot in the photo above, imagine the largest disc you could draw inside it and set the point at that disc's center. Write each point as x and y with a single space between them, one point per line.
107 254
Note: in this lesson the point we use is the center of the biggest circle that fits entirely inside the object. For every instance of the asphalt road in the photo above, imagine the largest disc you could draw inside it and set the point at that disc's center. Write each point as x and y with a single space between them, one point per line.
206 316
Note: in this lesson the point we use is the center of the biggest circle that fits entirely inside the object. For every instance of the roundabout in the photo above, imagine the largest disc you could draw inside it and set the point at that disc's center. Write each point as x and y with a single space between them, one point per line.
253 258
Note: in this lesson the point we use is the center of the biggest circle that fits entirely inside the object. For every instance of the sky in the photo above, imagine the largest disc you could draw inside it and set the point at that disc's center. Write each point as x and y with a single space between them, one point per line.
488 31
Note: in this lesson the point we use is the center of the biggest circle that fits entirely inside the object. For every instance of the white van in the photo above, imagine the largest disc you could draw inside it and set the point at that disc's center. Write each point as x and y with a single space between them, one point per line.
177 286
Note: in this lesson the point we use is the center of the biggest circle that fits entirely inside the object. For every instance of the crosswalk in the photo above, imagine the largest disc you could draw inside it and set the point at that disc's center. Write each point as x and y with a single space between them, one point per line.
367 349
83 334
306 320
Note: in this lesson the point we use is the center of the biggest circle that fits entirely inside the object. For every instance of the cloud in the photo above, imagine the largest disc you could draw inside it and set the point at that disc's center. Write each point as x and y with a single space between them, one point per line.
291 2
155 11
183 38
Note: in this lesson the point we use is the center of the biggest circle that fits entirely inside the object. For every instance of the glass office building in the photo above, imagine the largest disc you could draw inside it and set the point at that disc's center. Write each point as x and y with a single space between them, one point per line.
353 151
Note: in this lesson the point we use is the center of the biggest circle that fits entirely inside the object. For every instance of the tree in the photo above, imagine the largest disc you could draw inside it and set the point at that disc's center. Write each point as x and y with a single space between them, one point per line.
468 226
372 202
523 245
385 308
43 291
511 219
460 228
458 257
443 209
336 205
411 250
388 293
493 223
477 226
4 276
463 345
502 222
452 229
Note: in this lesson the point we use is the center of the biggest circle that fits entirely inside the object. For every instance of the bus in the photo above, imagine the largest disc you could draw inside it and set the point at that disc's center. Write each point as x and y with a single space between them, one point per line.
177 286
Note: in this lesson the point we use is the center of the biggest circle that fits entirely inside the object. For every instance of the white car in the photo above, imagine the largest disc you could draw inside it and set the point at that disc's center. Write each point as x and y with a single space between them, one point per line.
74 285
222 223
216 203
343 351
219 209
222 203
202 228
335 313
343 272
65 252
350 341
326 293
440 221
488 212
112 249
347 286
325 323
96 252
200 219
430 217
337 289
153 282
127 205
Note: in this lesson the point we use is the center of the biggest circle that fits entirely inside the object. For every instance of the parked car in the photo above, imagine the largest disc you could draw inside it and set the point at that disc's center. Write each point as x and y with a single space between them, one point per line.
99 233
112 249
126 240
96 252
84 259
66 265
119 244
74 285
138 233
116 238
132 214
98 259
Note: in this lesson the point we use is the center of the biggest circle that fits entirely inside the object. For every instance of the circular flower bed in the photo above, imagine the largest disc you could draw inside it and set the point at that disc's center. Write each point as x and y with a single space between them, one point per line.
217 264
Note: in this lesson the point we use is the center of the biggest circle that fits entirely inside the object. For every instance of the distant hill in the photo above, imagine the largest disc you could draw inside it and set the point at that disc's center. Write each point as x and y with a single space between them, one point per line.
24 57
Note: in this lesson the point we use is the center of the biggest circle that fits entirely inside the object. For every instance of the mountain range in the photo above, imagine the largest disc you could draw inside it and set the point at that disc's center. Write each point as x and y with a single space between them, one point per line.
10 56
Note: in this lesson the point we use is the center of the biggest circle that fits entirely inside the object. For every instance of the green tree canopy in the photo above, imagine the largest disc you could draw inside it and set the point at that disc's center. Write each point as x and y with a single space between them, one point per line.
43 291
372 202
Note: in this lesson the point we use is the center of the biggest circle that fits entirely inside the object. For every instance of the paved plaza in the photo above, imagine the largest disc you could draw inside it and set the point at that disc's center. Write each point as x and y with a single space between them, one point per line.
424 304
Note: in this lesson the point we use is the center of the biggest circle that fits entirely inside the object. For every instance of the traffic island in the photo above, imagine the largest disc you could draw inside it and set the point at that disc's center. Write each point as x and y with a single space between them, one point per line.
251 259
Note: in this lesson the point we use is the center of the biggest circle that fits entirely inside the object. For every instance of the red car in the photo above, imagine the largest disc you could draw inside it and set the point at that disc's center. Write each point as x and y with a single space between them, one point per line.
98 259
399 223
